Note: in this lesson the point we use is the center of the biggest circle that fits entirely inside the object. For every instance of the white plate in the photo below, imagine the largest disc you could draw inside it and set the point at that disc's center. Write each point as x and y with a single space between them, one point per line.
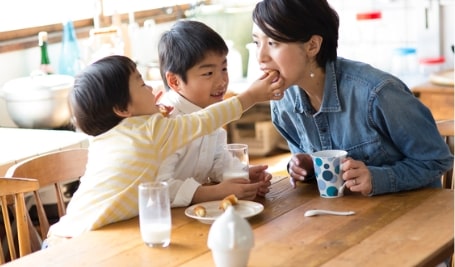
244 208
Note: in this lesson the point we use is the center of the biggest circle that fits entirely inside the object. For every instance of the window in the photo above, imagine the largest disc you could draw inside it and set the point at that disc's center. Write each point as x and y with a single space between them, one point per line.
21 20
13 16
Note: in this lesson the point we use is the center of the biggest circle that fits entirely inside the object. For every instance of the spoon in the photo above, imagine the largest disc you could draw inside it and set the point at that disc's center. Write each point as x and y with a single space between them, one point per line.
310 213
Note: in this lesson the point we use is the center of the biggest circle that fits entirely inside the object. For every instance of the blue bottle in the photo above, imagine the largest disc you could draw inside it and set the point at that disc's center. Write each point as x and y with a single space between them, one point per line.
70 60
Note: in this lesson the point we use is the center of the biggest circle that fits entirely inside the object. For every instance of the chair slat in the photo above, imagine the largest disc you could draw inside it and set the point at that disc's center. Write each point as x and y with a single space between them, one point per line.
446 129
52 170
16 187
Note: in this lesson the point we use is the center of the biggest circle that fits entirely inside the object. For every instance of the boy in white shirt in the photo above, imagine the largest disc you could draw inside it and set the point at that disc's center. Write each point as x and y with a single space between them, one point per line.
193 67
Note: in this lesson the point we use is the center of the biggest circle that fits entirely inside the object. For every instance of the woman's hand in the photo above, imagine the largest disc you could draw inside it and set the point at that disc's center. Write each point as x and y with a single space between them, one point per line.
357 176
300 167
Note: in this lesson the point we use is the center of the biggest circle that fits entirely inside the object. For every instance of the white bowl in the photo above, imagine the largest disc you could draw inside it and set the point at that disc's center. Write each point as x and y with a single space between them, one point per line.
39 101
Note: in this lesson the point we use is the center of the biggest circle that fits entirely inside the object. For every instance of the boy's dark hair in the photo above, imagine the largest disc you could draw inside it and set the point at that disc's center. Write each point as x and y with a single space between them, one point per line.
99 88
185 45
296 21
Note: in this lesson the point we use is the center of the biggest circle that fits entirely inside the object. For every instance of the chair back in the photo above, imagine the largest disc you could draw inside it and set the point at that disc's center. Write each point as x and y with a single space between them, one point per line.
446 129
12 198
51 169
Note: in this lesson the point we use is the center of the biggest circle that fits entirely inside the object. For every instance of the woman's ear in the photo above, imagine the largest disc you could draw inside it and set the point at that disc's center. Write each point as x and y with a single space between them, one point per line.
122 113
314 45
173 81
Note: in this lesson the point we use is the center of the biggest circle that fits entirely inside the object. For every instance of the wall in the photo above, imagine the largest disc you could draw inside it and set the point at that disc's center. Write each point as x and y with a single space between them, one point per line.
402 24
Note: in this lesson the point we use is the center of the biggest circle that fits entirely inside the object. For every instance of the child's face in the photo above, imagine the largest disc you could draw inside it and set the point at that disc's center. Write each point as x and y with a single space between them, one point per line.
207 81
143 101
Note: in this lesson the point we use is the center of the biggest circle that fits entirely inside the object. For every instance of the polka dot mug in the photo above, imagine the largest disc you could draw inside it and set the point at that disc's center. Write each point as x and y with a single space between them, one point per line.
327 168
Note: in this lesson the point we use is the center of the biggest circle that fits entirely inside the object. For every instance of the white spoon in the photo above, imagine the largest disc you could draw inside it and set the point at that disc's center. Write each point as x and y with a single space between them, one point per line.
309 213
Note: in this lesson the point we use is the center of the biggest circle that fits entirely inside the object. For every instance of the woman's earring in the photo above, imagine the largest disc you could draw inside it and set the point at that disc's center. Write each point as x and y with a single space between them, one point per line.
311 74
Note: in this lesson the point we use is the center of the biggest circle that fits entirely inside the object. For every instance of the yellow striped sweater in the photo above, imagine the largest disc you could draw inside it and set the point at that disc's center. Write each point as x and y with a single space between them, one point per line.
128 154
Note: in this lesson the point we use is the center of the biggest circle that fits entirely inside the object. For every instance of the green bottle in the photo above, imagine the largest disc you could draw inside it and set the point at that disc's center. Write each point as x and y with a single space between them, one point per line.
45 65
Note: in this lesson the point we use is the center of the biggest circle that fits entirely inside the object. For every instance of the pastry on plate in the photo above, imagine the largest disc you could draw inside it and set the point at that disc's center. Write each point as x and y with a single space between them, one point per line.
200 211
230 200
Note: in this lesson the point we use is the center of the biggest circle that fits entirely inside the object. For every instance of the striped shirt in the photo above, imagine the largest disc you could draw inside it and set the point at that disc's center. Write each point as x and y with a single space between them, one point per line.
128 154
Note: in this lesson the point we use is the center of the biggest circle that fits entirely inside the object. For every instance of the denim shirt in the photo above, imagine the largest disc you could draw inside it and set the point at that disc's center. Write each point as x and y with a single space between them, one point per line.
376 118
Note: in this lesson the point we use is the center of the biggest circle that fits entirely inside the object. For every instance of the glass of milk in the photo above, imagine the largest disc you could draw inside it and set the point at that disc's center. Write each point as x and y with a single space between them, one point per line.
155 213
236 162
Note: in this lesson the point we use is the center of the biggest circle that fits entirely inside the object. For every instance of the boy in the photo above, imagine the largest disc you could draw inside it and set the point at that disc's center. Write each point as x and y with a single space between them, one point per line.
193 67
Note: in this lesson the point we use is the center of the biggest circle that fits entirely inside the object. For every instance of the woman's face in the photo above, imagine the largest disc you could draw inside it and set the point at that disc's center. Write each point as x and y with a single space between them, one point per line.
289 59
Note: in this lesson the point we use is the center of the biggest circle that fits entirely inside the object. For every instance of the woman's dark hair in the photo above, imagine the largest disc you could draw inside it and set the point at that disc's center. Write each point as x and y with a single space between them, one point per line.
297 20
99 88
186 44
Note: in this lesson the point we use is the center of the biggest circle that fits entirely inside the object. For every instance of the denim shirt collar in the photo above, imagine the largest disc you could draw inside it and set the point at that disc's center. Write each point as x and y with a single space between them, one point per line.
330 98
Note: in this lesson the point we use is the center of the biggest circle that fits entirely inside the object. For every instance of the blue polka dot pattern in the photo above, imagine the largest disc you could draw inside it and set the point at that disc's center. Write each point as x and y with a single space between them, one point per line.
327 170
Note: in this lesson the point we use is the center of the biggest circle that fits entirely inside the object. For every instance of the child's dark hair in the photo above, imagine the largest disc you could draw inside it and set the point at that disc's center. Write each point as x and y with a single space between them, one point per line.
185 45
99 88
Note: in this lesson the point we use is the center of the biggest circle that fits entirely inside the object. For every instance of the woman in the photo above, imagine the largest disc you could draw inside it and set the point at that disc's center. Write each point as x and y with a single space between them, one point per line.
335 103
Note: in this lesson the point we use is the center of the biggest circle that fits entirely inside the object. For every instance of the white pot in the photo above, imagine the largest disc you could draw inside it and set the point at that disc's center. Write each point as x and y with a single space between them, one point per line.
39 102
231 239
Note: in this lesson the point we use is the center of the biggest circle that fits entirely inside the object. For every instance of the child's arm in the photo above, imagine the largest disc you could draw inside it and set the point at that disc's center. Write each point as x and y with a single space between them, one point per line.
268 87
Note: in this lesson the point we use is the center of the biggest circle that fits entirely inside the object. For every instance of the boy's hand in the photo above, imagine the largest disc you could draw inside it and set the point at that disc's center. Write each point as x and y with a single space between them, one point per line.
273 83
258 174
268 87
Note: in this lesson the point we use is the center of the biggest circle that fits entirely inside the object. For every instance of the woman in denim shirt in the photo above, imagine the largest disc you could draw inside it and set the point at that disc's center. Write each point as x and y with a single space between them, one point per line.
335 103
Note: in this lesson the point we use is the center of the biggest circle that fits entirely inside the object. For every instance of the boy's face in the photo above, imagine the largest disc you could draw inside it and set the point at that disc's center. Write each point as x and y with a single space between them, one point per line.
207 81
143 101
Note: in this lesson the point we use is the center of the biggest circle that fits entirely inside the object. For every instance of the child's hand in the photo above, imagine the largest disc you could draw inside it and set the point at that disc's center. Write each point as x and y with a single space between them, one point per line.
258 174
165 110
268 87
270 81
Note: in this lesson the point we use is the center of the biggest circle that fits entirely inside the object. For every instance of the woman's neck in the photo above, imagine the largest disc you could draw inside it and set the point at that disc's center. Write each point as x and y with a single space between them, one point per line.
314 87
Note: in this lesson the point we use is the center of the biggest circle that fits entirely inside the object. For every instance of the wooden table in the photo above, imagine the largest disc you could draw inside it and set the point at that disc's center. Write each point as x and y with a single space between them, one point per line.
413 228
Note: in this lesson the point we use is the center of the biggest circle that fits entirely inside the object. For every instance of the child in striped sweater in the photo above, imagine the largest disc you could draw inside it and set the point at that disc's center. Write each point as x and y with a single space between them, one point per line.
111 102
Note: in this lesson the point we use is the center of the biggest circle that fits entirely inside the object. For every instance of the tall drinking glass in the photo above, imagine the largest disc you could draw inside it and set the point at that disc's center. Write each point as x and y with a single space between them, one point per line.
236 161
155 214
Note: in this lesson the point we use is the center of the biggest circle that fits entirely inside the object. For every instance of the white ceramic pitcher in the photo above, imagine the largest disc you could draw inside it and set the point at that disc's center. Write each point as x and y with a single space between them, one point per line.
230 239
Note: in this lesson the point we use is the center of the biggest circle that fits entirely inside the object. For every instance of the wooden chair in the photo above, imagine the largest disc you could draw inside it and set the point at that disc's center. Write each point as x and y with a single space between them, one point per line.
12 192
446 129
51 169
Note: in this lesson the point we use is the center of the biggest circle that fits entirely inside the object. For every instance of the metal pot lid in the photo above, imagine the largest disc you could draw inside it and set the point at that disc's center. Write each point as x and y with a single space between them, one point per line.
37 87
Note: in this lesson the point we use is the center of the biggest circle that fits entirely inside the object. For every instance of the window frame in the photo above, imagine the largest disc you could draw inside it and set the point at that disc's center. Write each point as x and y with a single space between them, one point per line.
27 38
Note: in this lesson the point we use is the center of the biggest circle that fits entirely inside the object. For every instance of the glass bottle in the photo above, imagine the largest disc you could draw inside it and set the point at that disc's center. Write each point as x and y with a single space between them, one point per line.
45 63
69 61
